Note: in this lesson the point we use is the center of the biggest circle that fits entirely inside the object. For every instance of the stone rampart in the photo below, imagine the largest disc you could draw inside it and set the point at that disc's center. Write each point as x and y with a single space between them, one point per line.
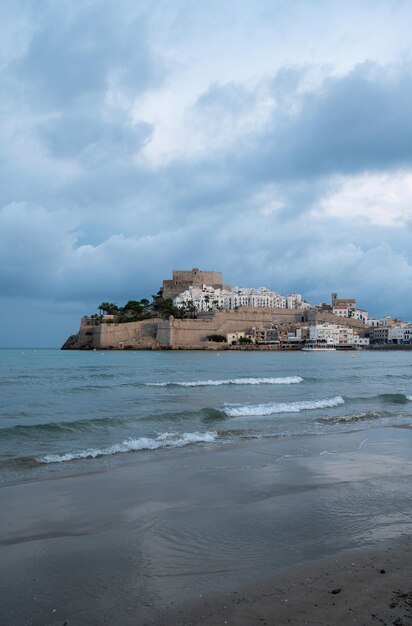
135 335
190 333
315 317
193 333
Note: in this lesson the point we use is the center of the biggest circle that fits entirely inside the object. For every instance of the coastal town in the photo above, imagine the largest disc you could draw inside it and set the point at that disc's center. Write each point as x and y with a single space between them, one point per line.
196 310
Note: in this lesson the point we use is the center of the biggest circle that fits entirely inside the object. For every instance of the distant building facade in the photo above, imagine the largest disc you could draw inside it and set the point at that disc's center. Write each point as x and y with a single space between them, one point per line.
400 334
350 303
209 298
335 335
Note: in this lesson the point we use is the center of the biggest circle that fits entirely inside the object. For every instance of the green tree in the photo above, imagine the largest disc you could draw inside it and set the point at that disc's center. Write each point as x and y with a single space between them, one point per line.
109 308
217 338
164 307
245 340
133 306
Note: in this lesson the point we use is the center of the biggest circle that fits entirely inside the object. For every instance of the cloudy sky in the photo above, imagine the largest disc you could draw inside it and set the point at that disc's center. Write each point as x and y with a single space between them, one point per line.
271 140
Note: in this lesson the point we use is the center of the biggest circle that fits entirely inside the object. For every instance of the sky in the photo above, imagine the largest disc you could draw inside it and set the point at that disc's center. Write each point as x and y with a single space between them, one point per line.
270 140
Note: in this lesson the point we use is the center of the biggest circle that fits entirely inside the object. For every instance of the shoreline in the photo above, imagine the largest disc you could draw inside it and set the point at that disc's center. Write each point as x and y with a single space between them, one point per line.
208 536
246 348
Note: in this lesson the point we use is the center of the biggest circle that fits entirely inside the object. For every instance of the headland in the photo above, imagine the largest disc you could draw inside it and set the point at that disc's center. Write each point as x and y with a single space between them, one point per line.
204 332
196 311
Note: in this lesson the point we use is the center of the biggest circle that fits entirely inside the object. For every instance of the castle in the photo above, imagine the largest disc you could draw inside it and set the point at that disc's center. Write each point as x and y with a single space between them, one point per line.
278 324
183 279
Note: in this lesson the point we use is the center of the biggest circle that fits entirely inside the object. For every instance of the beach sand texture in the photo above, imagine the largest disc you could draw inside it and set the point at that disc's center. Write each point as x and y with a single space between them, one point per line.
258 533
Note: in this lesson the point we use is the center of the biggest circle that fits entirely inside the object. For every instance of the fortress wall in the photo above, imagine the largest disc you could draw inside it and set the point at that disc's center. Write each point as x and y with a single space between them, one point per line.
314 317
164 334
191 333
250 317
195 276
87 337
129 335
194 333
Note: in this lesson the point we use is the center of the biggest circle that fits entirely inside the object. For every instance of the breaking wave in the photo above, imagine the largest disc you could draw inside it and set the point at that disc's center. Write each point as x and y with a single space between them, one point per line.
282 407
409 397
285 380
165 440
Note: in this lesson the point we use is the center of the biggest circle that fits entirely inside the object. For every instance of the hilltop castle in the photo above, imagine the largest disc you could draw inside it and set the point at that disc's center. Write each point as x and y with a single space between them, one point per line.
183 279
242 318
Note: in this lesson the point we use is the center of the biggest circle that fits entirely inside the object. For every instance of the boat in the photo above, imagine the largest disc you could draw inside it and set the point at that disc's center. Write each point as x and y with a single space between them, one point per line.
318 346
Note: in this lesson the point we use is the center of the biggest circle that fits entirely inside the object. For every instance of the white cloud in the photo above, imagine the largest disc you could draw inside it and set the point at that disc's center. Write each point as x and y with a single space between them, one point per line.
247 43
383 199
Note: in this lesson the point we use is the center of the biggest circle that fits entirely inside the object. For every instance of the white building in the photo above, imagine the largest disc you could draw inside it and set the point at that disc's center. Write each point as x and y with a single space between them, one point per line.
335 335
344 310
256 298
341 310
204 299
208 298
400 334
296 301
379 322
360 342
324 332
360 314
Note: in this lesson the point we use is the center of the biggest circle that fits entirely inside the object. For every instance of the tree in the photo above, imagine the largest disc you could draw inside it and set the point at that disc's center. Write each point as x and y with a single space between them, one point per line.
158 295
165 307
245 340
109 308
217 338
134 306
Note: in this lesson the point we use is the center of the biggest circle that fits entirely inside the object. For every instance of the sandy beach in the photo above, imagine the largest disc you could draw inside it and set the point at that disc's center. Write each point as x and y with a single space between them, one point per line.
259 533
356 587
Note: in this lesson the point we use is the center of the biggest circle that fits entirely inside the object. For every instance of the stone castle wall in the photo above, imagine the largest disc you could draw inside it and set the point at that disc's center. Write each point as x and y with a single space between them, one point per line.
314 317
192 333
130 335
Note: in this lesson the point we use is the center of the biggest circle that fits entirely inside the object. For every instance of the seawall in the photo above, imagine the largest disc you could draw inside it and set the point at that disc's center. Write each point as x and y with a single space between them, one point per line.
190 334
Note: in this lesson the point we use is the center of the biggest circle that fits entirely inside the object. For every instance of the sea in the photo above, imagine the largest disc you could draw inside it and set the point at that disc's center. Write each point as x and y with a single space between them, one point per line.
60 407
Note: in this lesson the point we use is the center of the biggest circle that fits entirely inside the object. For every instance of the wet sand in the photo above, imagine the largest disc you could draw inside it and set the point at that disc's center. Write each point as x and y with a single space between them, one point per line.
261 532
360 587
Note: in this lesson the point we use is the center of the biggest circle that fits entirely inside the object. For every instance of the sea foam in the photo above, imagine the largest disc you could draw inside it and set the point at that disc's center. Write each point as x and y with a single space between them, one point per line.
282 407
165 440
285 380
409 397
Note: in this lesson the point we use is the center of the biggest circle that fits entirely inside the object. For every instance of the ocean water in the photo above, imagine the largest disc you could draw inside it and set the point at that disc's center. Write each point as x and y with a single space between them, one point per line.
60 407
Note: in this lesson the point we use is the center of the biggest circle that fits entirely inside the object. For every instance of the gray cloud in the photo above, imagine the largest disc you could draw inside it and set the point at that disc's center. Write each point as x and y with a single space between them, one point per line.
84 216
359 122
67 95
81 135
83 49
